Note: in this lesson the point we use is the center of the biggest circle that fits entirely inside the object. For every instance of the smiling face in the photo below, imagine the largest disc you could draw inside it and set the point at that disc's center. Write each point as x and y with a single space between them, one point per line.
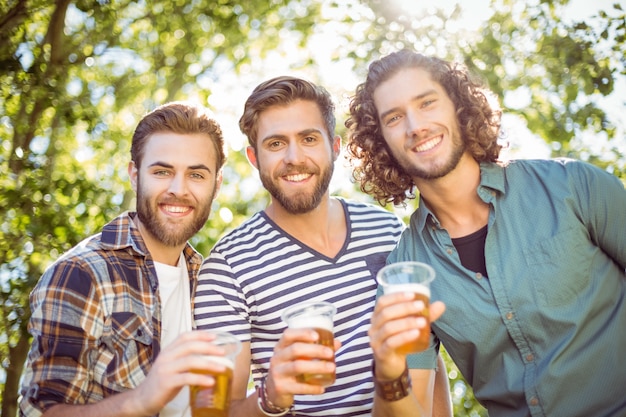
175 185
419 124
294 155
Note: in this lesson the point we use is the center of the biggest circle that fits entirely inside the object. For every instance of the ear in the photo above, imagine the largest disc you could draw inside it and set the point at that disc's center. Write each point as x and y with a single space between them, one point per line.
218 182
336 147
251 154
132 174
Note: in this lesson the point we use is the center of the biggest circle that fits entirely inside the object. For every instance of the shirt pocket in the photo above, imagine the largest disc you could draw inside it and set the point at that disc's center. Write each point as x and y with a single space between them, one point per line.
559 267
375 262
127 353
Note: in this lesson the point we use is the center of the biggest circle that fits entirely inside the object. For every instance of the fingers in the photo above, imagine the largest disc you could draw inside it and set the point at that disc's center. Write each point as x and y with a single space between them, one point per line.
398 321
437 309
298 353
191 359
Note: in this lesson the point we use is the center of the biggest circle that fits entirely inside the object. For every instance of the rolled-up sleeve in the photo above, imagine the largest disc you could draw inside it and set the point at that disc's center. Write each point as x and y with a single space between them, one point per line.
65 320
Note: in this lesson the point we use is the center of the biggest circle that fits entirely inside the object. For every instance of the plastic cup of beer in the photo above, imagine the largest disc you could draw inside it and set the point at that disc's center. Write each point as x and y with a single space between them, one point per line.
316 315
415 278
215 401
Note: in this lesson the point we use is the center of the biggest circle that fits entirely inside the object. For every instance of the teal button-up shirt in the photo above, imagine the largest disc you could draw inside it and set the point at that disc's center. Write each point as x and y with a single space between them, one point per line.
545 333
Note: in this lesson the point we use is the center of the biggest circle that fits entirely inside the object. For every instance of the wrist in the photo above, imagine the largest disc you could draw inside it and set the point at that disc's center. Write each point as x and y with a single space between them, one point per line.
394 389
266 406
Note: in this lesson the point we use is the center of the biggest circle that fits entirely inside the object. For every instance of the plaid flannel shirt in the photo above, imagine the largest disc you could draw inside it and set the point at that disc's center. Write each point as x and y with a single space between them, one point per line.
96 320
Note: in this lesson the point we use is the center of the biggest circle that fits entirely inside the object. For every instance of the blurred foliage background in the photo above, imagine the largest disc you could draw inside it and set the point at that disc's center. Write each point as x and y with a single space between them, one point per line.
76 76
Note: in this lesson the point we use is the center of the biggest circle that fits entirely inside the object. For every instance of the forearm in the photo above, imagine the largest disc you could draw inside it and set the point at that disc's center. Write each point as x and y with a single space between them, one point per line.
418 401
248 407
124 404
407 407
251 407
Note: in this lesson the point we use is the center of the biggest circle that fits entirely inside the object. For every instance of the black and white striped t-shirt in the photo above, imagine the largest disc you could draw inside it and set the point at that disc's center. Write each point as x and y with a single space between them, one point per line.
257 271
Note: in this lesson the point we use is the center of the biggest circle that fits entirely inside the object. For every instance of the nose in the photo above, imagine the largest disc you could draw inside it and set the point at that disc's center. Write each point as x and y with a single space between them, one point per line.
416 124
294 154
178 184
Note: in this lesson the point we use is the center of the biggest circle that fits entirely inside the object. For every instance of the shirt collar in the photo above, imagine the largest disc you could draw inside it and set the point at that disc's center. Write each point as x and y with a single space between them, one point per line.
492 182
122 233
492 176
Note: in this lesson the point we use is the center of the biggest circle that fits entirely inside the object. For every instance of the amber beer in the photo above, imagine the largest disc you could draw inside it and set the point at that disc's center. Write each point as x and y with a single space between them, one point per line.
415 278
319 317
326 339
421 293
213 401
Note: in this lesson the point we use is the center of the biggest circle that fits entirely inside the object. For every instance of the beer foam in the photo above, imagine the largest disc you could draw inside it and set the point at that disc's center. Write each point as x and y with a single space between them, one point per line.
222 360
408 287
306 322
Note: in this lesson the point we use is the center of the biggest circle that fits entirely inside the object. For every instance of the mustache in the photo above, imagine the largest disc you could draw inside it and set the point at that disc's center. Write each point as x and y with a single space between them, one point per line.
421 136
296 170
175 202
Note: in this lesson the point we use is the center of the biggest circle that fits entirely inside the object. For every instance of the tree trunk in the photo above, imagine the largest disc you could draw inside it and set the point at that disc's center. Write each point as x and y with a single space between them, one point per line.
17 358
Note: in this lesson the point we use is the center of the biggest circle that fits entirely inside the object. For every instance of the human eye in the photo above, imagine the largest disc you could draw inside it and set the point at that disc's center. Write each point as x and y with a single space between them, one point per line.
391 119
428 102
274 144
161 173
197 176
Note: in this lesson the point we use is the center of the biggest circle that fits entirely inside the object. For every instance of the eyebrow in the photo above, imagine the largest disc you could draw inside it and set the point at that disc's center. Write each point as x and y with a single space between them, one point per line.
416 98
190 167
307 132
301 133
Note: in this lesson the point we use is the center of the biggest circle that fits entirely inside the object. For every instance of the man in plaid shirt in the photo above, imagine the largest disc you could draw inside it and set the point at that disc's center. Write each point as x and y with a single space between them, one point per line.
112 318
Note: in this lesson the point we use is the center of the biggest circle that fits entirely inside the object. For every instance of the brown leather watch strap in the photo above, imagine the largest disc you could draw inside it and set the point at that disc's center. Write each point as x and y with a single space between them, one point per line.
395 389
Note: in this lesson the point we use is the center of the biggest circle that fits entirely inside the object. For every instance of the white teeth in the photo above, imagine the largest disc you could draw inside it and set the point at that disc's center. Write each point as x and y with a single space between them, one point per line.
428 144
297 178
176 209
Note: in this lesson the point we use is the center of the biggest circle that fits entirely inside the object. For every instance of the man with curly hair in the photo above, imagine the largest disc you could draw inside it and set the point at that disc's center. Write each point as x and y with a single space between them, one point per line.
530 255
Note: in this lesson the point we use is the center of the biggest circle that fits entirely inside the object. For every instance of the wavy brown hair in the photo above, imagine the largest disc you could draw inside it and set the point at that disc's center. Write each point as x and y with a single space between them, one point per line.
178 117
374 167
282 91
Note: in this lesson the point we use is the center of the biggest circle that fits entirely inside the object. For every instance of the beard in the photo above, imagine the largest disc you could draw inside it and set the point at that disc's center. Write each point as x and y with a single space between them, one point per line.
170 234
302 202
435 171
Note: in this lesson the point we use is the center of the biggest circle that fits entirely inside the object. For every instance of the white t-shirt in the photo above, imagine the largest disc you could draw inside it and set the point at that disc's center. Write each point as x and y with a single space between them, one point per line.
176 319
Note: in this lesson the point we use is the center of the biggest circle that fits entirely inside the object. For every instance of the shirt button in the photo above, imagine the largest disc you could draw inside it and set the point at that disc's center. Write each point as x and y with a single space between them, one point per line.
479 275
449 251
530 357
509 316
533 401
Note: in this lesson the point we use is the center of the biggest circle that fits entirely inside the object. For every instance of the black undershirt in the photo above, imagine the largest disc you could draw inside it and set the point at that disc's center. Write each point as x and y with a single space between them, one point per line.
471 249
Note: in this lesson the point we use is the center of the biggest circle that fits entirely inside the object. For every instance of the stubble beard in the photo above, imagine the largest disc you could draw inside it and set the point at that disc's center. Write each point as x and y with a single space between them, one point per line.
437 171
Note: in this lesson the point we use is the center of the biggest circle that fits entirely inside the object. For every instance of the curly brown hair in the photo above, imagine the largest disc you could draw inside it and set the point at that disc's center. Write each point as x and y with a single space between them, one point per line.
374 167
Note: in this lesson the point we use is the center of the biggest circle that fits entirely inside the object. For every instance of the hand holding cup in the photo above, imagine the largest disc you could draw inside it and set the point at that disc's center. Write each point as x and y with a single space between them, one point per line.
215 401
319 317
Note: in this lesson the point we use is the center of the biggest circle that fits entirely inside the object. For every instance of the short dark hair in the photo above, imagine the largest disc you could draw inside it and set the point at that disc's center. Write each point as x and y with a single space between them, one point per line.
374 166
178 117
281 91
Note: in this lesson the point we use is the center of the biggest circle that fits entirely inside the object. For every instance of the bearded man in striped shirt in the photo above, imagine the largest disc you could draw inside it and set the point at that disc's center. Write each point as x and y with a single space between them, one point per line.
305 245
